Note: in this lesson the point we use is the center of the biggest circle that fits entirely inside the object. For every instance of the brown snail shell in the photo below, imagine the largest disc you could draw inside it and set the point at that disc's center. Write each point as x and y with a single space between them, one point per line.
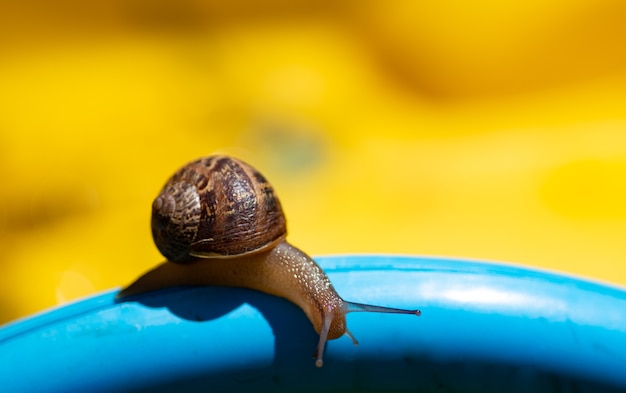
216 207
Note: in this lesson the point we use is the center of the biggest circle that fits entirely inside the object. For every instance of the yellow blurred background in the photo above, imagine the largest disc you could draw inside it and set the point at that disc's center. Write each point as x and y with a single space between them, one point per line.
485 129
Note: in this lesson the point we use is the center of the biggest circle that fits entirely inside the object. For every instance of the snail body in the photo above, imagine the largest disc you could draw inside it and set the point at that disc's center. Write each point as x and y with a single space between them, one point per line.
218 222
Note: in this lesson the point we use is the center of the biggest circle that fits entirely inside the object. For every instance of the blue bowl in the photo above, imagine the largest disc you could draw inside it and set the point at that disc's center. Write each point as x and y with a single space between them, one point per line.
484 328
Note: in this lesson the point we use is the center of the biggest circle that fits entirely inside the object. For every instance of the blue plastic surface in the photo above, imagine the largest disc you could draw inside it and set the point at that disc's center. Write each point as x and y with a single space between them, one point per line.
484 328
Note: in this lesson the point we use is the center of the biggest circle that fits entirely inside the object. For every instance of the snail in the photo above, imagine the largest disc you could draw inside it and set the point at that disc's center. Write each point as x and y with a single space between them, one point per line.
217 221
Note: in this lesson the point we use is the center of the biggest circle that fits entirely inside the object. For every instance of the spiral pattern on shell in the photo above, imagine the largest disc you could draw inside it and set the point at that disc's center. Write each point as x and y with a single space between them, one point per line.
216 207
